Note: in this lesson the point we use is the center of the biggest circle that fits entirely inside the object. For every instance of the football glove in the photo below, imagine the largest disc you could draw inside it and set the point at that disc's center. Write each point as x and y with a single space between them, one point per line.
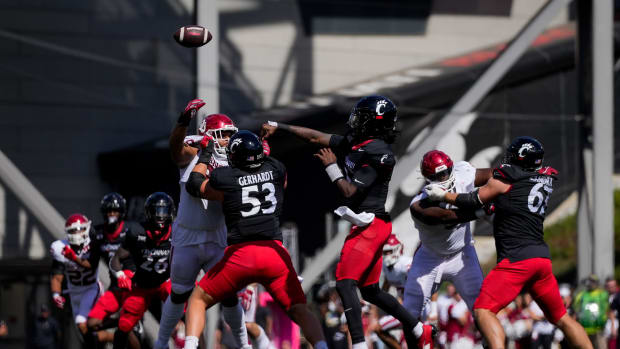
435 192
69 253
123 278
59 300
190 111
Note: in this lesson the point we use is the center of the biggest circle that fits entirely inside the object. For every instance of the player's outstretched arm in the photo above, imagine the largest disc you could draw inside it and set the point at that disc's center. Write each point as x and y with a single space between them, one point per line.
198 182
180 152
307 134
433 215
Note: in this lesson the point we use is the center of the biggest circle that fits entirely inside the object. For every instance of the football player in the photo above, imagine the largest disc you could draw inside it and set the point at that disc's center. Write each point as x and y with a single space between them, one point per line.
366 154
395 265
148 246
75 259
199 231
446 251
108 238
251 190
520 189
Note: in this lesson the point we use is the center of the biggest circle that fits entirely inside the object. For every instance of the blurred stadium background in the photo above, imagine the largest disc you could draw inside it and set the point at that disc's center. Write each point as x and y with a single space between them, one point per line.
91 89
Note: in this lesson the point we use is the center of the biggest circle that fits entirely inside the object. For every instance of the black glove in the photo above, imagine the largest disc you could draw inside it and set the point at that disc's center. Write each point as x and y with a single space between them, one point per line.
207 151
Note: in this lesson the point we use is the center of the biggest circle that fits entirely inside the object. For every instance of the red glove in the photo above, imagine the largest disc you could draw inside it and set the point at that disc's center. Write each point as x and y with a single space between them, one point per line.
190 111
549 171
59 300
69 253
123 278
245 297
206 140
266 147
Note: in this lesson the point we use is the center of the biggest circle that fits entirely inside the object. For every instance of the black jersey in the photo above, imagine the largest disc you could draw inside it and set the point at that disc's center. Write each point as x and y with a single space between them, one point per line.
519 214
150 258
252 200
108 244
368 165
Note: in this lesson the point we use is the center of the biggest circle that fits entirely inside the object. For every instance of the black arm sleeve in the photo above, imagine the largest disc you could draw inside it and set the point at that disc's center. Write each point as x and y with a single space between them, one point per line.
469 201
57 267
194 183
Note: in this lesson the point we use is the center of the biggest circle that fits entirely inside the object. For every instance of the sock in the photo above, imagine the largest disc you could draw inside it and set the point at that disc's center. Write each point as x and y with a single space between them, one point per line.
234 318
361 345
262 341
418 330
191 342
171 314
320 345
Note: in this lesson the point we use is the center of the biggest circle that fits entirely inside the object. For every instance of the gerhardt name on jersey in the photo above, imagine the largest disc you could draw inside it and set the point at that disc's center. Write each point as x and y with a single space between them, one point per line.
256 178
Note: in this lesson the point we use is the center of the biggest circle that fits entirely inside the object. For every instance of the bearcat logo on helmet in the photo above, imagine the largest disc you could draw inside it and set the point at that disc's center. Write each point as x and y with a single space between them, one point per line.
524 147
381 108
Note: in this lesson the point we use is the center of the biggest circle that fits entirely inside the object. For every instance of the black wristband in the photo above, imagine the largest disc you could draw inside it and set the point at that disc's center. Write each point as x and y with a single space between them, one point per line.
284 127
184 119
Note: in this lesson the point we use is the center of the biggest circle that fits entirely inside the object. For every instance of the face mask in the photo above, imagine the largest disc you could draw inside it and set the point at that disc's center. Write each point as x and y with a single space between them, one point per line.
331 306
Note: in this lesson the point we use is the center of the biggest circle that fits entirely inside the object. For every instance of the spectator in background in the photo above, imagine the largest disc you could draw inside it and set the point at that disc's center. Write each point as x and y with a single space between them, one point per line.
4 329
611 327
459 328
45 332
591 306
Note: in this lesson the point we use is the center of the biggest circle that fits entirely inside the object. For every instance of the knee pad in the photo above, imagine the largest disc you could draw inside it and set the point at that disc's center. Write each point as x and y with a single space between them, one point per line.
230 302
179 298
125 325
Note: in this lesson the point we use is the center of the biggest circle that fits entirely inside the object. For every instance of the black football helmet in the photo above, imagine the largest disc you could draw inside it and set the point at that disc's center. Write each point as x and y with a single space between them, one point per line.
245 150
113 202
525 152
159 209
373 117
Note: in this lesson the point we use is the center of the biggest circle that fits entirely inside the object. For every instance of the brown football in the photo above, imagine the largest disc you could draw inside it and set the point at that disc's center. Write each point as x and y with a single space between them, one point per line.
192 36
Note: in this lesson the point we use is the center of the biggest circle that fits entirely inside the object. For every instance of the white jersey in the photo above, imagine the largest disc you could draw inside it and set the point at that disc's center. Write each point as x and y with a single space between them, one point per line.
198 221
79 278
449 239
397 274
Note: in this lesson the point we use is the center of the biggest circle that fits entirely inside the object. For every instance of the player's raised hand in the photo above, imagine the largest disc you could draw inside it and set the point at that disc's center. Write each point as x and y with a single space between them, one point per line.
190 111
59 301
327 156
123 278
207 150
435 192
267 129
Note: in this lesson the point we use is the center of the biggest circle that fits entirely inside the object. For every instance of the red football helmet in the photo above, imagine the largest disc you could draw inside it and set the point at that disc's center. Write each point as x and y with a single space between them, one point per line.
437 167
77 228
214 125
392 250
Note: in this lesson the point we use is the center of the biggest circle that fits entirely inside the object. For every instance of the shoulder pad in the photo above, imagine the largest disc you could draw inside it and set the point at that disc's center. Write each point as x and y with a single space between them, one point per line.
379 154
56 250
509 173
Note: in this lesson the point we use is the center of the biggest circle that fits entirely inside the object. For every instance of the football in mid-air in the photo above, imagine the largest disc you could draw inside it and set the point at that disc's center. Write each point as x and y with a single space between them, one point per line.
192 36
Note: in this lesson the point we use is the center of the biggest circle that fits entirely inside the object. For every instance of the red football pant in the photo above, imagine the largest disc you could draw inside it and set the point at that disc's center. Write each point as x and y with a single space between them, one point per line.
507 279
266 262
138 302
361 257
109 303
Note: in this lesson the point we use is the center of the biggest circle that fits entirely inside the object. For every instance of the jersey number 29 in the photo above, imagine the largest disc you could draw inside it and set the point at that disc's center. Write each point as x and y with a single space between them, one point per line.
248 197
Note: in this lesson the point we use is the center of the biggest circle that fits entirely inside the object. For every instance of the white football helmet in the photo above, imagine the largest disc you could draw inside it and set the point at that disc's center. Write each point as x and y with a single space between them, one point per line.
77 228
392 250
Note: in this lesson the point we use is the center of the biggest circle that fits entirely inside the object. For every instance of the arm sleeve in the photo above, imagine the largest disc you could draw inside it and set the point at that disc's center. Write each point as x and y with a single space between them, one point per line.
335 141
57 267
